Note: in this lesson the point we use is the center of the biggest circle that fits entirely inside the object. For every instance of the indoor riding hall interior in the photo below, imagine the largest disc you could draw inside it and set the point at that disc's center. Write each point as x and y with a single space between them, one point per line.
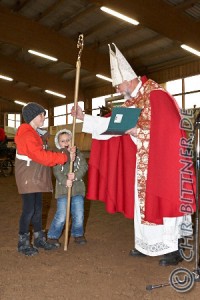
75 35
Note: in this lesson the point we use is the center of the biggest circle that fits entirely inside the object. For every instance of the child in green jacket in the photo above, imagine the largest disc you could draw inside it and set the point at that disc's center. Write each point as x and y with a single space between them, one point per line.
64 179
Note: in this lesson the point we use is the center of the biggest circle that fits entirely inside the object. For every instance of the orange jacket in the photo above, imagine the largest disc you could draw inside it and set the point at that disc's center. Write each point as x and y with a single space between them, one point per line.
34 176
29 143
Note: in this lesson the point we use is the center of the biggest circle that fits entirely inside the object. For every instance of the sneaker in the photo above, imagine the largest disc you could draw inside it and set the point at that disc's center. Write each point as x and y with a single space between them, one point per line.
80 240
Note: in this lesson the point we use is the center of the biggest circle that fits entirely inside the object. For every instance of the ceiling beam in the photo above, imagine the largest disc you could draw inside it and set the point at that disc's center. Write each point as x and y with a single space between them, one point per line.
98 27
9 91
74 18
159 16
125 32
48 10
173 72
185 4
145 43
23 72
31 35
19 5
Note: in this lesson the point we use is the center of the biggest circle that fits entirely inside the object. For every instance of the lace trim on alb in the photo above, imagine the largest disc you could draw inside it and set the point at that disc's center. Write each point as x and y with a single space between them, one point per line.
154 248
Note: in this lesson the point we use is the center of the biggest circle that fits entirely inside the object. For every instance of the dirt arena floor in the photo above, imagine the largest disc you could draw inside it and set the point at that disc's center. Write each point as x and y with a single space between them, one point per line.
101 269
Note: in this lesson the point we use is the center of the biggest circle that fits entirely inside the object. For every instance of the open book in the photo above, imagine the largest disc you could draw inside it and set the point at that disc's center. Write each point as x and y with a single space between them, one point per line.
122 119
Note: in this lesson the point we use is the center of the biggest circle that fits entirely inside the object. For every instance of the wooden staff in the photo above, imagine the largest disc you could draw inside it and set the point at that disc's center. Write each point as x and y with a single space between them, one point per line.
78 67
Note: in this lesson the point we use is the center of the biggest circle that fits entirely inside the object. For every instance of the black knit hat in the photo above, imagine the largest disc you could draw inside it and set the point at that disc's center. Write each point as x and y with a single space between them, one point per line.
32 110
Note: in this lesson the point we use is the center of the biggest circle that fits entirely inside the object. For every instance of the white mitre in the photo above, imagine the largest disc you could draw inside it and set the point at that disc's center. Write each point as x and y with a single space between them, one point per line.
120 68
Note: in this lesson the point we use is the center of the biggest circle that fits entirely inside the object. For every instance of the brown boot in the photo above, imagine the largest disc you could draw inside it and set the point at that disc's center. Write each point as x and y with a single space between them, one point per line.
80 240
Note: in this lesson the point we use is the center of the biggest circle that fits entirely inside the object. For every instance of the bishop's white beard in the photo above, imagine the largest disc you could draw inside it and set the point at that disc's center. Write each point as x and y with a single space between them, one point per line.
127 94
132 94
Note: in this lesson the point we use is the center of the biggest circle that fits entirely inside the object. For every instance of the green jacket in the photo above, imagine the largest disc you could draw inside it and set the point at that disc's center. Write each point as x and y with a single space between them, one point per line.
61 171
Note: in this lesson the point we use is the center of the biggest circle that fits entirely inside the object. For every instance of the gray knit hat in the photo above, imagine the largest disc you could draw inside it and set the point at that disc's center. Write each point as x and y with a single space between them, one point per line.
32 110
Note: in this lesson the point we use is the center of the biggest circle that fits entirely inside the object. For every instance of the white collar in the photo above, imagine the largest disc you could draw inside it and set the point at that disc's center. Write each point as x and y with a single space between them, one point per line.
136 90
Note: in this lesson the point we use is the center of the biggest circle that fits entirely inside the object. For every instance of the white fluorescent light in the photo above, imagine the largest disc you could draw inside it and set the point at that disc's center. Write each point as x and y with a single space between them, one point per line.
118 15
20 102
6 78
55 94
42 55
193 51
104 77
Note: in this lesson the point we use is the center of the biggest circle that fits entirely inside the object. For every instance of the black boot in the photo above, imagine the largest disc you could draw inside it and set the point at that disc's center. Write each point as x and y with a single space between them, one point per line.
24 245
173 258
41 242
135 252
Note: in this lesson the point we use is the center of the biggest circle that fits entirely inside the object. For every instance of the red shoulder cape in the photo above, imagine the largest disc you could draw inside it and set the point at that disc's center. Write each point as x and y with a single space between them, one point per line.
111 174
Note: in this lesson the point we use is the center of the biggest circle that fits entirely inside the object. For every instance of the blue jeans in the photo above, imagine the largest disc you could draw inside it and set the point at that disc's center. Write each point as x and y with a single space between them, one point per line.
77 213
